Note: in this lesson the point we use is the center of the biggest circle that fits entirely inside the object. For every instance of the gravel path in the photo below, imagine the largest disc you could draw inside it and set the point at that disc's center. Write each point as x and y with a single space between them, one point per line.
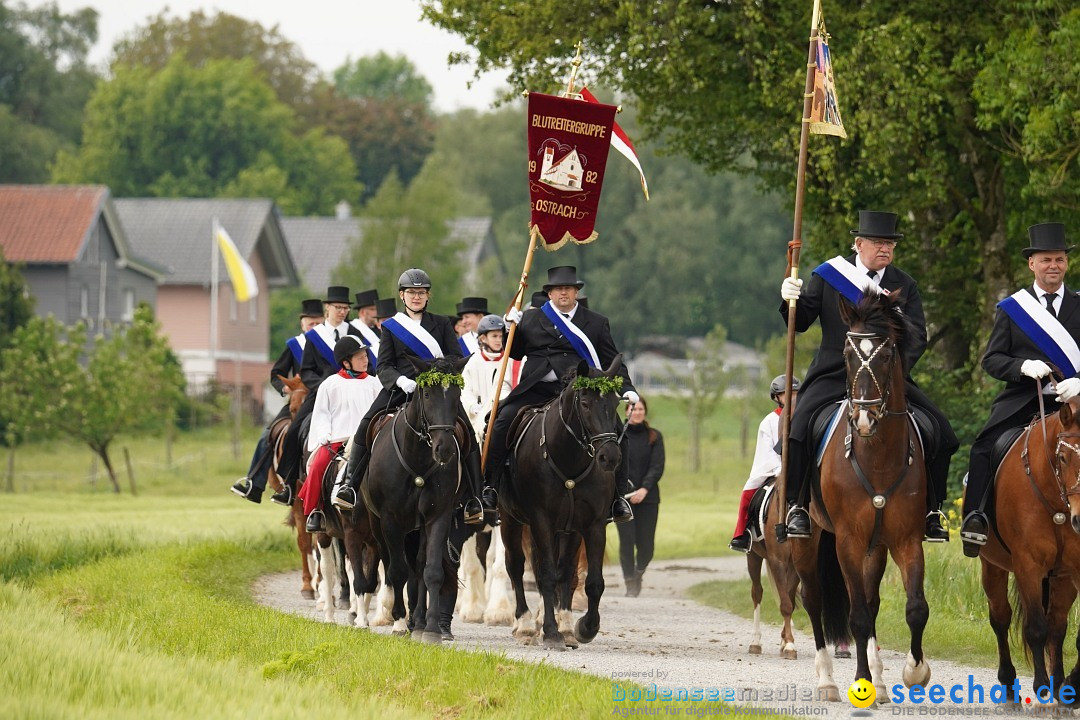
663 638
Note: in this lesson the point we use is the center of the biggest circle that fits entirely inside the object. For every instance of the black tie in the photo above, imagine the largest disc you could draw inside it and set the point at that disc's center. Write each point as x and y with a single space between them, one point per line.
336 336
871 274
566 315
1048 298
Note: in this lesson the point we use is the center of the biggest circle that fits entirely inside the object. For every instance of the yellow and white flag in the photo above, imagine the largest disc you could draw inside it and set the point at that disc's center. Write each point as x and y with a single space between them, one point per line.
245 286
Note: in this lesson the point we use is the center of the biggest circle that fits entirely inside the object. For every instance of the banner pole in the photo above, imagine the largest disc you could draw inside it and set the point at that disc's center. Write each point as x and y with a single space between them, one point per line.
523 284
793 266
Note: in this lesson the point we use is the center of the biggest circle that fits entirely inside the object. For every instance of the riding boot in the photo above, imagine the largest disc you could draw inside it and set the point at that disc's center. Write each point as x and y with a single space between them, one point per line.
935 531
315 522
354 473
475 512
797 520
621 512
286 495
741 538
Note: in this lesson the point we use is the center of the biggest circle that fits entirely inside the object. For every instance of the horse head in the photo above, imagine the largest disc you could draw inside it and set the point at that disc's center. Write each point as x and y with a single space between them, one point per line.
596 410
297 392
434 406
874 360
1067 452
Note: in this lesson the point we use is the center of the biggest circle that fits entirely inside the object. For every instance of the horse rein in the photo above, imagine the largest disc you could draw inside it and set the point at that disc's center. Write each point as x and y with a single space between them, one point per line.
423 434
1058 516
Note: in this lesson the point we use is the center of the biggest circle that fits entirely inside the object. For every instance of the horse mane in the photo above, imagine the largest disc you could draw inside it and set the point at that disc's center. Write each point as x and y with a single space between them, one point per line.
881 315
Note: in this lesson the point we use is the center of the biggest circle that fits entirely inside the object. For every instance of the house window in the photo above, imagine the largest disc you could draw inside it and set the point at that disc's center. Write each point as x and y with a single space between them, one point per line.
129 305
253 310
84 302
232 309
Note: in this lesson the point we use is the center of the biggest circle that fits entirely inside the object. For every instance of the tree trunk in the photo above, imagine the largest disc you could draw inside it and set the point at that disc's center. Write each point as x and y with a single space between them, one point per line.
103 453
695 440
130 472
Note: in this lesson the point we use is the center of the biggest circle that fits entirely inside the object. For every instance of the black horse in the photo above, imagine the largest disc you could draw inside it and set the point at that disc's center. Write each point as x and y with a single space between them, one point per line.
414 482
561 481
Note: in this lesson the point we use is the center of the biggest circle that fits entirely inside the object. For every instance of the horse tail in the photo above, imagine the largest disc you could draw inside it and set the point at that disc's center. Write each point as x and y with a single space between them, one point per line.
1017 628
835 603
290 521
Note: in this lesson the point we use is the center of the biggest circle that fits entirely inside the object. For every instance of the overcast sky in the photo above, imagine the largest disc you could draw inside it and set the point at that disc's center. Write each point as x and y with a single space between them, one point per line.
327 32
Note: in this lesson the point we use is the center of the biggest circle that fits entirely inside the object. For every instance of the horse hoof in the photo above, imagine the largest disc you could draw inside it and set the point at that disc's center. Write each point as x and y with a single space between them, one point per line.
581 631
882 694
343 604
399 633
842 654
755 650
429 638
828 694
307 594
570 640
789 654
916 674
352 618
555 643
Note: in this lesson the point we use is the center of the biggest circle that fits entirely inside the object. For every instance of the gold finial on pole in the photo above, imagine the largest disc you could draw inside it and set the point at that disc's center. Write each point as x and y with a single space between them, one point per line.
576 62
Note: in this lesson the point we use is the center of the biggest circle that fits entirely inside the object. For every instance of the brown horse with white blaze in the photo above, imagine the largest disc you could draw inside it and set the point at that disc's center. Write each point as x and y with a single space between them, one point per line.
870 502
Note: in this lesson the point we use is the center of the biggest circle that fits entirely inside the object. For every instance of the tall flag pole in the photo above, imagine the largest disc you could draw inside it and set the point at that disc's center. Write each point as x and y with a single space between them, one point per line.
821 116
213 296
568 143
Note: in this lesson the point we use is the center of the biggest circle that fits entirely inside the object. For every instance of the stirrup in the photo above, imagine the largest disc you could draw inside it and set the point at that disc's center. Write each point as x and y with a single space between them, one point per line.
943 523
344 502
787 522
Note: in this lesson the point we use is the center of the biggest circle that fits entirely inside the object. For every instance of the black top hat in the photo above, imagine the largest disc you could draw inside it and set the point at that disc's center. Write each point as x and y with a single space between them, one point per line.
311 308
874 224
337 294
539 298
563 275
1046 237
387 307
472 305
365 298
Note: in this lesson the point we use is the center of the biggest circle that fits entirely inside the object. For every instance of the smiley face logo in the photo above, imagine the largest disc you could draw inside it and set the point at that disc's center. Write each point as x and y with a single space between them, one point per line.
862 693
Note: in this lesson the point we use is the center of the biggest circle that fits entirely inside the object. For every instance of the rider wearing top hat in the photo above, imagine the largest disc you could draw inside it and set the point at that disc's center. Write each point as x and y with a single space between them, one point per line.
470 311
366 324
384 308
316 364
549 355
252 485
868 268
413 333
1013 354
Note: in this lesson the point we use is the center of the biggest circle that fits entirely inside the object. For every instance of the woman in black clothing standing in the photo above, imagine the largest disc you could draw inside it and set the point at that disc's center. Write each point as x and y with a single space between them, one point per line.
642 466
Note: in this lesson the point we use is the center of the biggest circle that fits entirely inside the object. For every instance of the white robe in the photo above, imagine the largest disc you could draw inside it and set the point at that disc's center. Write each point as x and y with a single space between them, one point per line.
766 459
340 405
480 375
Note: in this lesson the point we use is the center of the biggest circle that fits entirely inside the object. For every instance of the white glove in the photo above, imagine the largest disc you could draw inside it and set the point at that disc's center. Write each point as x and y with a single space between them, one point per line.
513 315
631 397
791 288
476 410
1068 389
409 386
1035 369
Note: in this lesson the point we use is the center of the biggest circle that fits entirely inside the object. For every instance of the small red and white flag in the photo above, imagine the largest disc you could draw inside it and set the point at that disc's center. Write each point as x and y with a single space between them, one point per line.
621 142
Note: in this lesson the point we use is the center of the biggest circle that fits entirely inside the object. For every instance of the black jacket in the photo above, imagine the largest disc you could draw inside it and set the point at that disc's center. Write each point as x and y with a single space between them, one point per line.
826 378
314 368
393 354
1007 350
286 366
545 349
642 463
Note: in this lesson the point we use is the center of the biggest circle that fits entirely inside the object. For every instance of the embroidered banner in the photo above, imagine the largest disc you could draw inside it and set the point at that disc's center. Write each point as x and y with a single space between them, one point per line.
568 149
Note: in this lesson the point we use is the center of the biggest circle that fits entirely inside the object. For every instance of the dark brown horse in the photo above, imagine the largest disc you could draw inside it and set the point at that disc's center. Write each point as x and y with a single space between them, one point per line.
1035 500
298 392
870 502
561 484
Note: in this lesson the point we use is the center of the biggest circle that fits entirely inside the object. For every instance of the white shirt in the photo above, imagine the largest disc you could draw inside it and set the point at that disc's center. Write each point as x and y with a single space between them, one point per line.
1039 292
863 270
340 405
480 376
766 459
326 331
550 377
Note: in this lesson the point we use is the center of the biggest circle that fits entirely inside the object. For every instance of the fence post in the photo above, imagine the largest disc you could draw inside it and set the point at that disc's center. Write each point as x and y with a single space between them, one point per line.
131 473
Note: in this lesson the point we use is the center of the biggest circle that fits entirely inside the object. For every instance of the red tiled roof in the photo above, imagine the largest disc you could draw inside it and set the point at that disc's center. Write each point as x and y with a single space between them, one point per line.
46 223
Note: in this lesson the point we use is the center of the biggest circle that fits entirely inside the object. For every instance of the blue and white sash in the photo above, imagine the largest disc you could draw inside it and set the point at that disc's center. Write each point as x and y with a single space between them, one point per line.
1043 329
372 339
574 335
325 345
296 347
846 279
468 344
414 336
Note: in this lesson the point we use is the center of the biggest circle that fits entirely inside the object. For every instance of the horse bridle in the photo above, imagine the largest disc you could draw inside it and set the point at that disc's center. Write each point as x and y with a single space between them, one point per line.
423 433
591 444
865 358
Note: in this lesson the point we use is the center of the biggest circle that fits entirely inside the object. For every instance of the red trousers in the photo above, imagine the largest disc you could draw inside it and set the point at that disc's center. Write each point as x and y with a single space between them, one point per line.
311 492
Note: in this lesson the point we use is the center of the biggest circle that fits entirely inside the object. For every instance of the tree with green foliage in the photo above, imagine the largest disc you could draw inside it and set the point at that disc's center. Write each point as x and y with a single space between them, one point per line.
16 303
284 316
202 38
383 77
214 130
91 393
408 227
44 83
706 384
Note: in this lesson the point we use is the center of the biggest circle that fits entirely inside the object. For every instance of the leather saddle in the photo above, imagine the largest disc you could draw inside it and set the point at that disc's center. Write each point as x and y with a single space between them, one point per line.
462 431
826 421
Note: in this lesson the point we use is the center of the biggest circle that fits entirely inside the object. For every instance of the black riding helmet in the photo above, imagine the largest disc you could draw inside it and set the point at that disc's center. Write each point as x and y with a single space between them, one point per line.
413 278
346 347
779 384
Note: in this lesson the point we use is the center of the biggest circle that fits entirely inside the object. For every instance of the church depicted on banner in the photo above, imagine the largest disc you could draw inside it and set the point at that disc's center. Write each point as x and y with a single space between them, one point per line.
565 174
